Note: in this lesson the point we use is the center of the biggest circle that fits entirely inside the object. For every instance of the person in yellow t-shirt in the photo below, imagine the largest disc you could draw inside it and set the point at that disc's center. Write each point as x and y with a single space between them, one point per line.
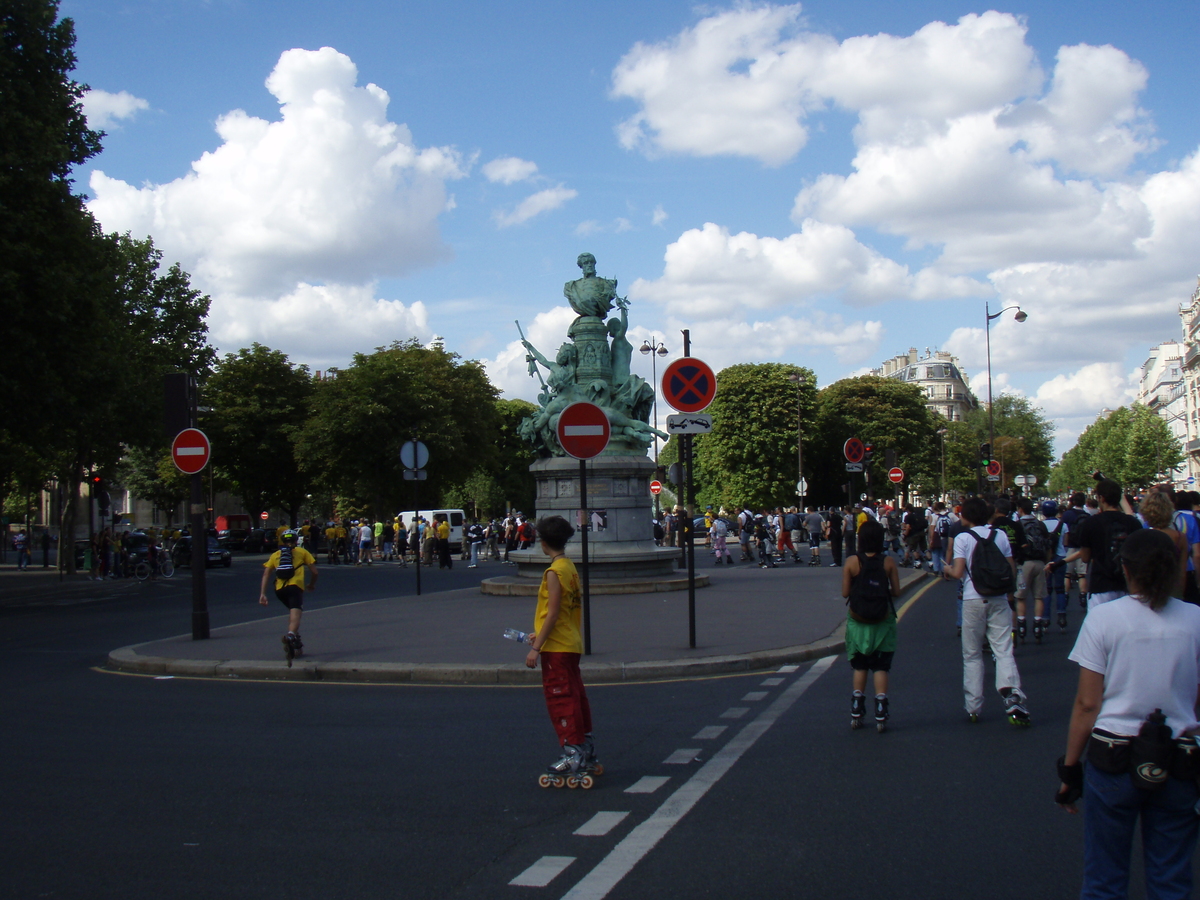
443 544
558 642
286 568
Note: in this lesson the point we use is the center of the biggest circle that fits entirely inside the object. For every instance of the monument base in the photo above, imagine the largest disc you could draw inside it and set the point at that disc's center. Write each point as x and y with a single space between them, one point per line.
622 555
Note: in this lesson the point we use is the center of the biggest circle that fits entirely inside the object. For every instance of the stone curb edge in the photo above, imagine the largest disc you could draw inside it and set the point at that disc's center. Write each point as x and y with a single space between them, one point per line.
127 659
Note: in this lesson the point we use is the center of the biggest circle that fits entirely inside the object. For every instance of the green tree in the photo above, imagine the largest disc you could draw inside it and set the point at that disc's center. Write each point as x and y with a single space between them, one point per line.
883 412
1017 417
259 403
1132 445
152 476
362 415
749 459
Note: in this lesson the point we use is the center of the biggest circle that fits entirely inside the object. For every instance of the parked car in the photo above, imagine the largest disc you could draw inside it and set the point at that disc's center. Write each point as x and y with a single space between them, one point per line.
181 553
261 540
234 538
700 529
135 544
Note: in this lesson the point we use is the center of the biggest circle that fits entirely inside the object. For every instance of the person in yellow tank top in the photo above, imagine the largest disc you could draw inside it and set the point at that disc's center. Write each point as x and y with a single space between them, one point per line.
558 642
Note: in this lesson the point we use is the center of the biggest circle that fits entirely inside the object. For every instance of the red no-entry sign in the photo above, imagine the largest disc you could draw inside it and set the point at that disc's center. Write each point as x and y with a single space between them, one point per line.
190 451
896 475
583 430
689 385
656 487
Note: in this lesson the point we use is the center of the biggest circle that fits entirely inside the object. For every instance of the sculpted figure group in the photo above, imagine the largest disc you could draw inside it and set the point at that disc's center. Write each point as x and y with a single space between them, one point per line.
589 367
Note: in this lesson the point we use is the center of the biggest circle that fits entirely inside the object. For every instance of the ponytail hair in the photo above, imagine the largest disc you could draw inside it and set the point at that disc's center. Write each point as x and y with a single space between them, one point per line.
1151 566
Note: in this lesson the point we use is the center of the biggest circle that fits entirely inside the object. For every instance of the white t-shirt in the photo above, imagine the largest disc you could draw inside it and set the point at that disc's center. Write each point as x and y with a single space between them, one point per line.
964 548
365 534
1150 660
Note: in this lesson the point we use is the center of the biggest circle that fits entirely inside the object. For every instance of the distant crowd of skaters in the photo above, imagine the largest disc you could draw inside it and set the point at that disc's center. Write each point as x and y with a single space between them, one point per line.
362 542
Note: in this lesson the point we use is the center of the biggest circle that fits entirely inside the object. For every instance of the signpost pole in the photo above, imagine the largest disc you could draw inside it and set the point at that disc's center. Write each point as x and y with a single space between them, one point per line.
417 506
689 501
587 596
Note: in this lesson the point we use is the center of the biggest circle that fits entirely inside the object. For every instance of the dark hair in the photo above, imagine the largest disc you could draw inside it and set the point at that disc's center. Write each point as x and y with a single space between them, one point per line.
870 537
1108 491
1003 507
1078 499
1151 566
555 531
1025 505
976 510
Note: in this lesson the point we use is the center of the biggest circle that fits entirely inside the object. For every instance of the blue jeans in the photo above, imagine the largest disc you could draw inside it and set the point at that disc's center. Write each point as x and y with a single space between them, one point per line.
1056 586
1111 807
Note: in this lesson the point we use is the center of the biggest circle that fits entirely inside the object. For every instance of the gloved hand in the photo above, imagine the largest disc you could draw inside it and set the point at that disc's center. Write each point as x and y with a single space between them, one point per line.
1072 784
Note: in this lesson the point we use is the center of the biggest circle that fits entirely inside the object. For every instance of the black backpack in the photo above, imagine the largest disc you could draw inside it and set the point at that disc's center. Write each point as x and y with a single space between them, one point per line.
870 593
991 572
916 521
286 570
1038 545
1116 529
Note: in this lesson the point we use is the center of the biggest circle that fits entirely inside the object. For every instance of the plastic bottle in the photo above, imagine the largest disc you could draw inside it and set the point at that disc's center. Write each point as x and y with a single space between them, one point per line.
514 635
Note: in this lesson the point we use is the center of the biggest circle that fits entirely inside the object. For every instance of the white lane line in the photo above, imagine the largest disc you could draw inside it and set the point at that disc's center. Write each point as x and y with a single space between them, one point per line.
681 757
773 682
735 712
597 883
600 824
542 872
709 733
784 669
647 784
754 696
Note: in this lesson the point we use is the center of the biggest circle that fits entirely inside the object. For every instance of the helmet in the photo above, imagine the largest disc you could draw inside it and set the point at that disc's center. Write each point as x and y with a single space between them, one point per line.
1049 509
288 536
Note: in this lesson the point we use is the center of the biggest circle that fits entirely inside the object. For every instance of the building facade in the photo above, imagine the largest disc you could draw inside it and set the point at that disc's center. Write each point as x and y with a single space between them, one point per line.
1189 316
940 377
1162 388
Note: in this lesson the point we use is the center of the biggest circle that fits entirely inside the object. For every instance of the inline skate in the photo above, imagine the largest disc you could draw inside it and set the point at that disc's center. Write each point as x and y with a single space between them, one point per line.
292 645
881 712
570 771
858 709
1014 707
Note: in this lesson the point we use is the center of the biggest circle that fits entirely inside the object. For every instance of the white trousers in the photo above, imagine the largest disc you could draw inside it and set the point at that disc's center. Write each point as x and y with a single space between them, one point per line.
991 618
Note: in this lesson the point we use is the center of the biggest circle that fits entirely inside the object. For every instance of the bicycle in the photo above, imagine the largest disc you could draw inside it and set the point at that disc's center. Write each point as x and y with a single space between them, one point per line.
163 567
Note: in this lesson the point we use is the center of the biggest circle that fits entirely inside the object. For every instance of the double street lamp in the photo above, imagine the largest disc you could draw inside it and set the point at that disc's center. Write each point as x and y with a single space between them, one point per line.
942 432
654 348
798 378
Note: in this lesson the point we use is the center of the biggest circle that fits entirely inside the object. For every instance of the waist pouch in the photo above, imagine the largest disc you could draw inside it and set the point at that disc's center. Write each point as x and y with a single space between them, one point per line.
1116 754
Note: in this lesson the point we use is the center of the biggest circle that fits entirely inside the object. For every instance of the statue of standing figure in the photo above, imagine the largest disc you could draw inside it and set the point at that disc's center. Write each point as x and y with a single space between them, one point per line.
589 368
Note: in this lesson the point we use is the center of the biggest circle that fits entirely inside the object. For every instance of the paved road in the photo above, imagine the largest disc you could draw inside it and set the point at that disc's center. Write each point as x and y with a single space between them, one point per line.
133 787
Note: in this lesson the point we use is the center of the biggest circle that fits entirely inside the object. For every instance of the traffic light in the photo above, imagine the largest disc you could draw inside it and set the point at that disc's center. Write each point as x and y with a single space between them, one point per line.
867 448
985 455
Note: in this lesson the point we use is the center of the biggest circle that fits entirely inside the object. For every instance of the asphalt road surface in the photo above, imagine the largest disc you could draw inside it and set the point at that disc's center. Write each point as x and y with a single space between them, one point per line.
135 787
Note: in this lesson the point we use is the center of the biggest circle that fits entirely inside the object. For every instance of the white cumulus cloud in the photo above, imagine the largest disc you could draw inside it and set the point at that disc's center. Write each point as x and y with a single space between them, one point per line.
332 191
1083 393
103 108
536 204
509 170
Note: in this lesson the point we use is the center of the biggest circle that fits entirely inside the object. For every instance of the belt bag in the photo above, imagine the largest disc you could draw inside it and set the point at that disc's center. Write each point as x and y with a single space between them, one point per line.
1116 755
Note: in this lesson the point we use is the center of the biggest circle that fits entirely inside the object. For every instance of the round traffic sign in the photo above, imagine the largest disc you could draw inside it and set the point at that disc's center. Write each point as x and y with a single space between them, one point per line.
656 487
855 450
802 487
414 454
583 430
896 474
264 515
994 467
689 385
190 450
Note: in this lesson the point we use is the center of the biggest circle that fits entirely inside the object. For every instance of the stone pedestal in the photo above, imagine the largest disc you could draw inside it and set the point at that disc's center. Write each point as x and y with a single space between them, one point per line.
622 554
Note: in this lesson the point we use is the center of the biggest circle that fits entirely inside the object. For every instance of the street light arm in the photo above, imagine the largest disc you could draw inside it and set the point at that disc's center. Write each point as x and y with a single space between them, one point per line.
1021 315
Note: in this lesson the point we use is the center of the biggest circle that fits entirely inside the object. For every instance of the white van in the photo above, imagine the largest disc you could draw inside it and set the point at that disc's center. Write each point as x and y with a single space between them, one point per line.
456 518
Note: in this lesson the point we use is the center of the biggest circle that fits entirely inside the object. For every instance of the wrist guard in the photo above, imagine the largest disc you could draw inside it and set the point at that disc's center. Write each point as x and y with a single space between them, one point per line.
1072 777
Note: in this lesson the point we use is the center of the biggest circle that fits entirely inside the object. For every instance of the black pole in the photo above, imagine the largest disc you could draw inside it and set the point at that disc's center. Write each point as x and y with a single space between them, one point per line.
587 521
689 500
199 561
416 507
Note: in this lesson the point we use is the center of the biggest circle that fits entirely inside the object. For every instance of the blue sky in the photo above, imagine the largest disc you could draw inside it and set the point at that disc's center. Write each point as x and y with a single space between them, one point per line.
826 184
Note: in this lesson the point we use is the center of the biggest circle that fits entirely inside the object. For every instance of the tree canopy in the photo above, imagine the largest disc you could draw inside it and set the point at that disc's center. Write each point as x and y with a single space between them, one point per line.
1132 445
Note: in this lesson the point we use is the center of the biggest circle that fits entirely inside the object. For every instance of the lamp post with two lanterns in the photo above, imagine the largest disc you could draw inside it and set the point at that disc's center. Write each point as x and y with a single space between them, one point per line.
654 348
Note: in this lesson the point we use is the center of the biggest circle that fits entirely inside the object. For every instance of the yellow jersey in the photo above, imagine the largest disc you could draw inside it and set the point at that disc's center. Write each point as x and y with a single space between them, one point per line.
566 636
300 559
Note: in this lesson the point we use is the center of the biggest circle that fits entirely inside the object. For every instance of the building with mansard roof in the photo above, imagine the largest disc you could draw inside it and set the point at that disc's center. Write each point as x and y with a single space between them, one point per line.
940 377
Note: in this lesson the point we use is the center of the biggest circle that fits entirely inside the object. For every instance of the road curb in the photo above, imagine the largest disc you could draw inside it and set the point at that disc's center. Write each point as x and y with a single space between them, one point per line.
128 659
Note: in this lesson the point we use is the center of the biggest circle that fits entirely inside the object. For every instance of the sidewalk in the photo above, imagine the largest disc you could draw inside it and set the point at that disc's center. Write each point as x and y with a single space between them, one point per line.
37 586
747 619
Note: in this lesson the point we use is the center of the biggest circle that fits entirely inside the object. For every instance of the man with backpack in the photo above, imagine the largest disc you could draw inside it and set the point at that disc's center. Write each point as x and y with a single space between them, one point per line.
870 581
915 527
938 536
983 560
1076 571
1099 538
1034 549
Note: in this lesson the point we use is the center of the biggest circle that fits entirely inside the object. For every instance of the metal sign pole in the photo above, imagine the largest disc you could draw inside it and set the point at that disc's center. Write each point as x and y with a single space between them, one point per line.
689 500
587 521
416 508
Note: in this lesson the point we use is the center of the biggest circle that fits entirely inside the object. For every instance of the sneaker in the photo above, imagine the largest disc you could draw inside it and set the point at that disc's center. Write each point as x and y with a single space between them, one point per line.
472 566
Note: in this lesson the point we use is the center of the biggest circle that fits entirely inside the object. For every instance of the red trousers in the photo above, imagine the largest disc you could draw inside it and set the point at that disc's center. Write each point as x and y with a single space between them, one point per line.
566 699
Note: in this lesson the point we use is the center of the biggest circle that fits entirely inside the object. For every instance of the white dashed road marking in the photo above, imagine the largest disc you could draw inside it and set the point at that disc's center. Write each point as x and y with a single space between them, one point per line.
647 784
735 712
754 696
645 837
785 669
772 682
709 733
681 757
601 824
542 872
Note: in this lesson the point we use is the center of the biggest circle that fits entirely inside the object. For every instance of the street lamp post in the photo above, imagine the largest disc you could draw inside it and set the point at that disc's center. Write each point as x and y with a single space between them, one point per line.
655 349
798 378
1020 316
942 434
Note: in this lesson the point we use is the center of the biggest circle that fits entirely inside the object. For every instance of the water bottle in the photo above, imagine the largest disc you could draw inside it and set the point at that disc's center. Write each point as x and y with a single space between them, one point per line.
514 635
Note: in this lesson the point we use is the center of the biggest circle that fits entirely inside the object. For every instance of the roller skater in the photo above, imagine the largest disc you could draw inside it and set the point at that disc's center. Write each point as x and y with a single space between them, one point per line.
557 644
1014 706
287 565
870 580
